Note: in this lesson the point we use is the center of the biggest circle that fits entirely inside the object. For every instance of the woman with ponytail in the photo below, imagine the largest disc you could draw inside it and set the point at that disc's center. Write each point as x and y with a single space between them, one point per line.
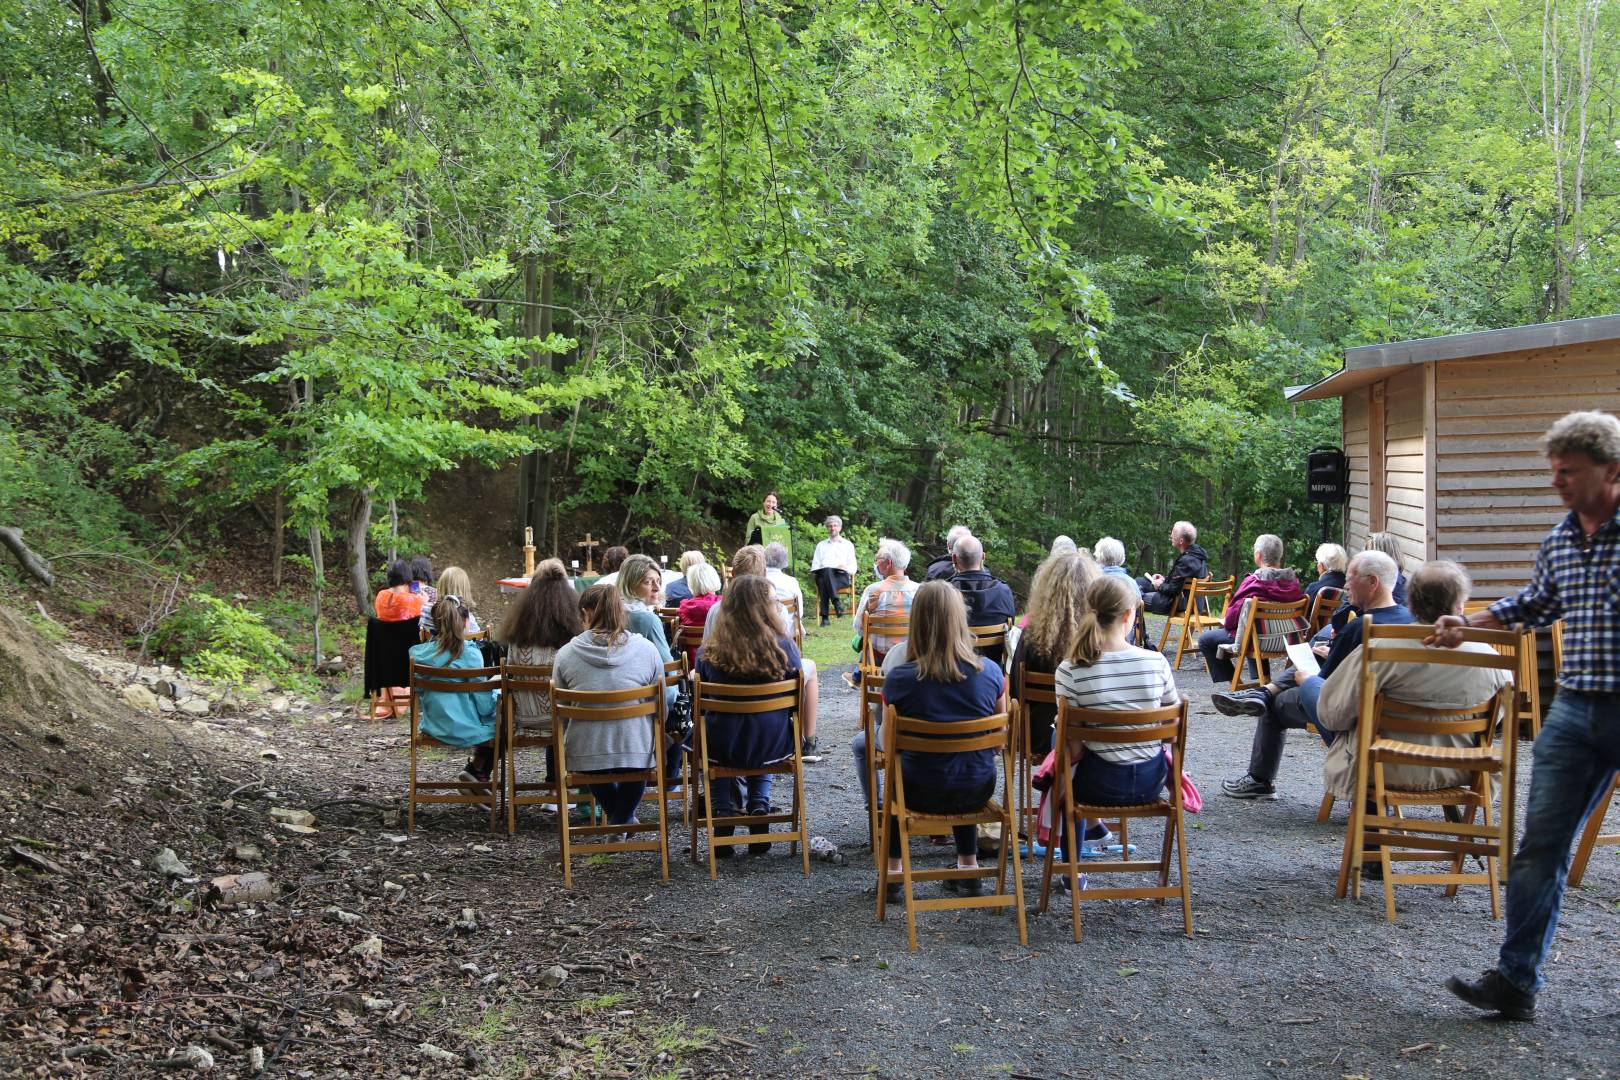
1105 671
461 720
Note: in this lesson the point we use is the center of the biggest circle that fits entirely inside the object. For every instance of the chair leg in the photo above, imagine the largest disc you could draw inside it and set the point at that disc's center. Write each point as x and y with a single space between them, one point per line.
1589 836
1325 811
1490 863
800 816
1179 823
1381 801
1017 876
906 884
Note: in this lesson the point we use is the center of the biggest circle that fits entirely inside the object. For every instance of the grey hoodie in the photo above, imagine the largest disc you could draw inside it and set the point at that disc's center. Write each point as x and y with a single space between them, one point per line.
587 664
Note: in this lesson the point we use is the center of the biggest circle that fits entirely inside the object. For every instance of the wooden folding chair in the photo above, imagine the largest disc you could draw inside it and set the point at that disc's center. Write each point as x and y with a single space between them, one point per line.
869 682
1203 607
992 640
1033 688
1139 629
1384 736
1527 699
679 787
526 679
1154 726
671 618
892 628
795 620
1323 607
443 680
1593 835
847 595
914 736
744 700
642 704
1265 634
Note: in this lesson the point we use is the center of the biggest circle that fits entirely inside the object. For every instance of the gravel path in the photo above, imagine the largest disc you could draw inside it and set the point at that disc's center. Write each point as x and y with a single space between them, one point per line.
1279 980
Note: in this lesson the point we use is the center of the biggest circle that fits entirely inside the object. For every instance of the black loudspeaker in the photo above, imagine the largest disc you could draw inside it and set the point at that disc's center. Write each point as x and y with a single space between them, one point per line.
1327 476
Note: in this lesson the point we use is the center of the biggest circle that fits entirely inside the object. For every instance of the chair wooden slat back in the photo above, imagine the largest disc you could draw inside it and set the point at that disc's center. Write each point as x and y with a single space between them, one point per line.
993 636
1168 725
1033 688
671 618
1385 734
871 692
1261 643
1203 605
1323 606
1528 698
912 735
524 679
892 628
745 700
570 707
444 680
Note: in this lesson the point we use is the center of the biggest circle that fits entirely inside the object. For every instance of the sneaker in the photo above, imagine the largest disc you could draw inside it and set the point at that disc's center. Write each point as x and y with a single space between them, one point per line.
1060 882
971 886
1492 993
849 680
1251 702
1248 788
807 751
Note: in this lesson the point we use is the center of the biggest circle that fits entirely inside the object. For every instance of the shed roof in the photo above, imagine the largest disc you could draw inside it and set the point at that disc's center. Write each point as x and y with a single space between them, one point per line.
1373 363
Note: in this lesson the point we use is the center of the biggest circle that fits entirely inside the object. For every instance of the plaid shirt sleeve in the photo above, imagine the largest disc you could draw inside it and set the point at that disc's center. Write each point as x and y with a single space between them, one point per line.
1538 603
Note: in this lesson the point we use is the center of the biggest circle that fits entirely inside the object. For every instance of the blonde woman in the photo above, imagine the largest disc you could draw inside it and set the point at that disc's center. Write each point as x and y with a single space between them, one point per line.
944 680
453 582
1057 600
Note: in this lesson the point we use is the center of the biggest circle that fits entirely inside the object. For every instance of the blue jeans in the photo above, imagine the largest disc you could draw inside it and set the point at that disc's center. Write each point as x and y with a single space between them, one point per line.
1108 783
727 794
1575 758
618 801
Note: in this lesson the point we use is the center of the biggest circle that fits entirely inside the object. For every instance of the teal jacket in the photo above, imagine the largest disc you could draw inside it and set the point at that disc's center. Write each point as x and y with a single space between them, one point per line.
462 720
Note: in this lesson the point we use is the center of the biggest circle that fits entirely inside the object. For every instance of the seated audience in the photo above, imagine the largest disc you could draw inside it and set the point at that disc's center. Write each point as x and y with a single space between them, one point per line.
1270 583
1290 701
422 580
1105 671
1111 559
704 584
1331 560
466 721
833 566
544 619
749 561
677 589
942 568
1390 545
1057 599
747 646
638 583
944 680
1160 592
1438 588
889 596
398 602
607 656
785 585
989 601
612 559
453 582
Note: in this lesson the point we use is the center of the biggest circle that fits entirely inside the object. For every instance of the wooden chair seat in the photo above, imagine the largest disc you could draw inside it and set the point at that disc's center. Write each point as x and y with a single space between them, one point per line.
1153 726
443 680
742 700
916 736
643 704
1383 720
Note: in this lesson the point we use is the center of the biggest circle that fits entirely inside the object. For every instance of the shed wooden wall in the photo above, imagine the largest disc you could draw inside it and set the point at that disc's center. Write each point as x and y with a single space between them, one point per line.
1406 408
1492 501
1355 450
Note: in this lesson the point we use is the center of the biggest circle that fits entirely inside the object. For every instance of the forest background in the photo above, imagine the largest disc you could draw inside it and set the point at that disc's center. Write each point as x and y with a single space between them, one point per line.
267 269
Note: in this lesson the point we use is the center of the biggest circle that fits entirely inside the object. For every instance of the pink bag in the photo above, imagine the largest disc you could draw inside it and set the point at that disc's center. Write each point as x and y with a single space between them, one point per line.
1191 801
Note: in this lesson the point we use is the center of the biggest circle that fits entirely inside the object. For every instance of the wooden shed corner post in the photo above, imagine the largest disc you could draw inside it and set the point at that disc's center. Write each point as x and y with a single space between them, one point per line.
1430 429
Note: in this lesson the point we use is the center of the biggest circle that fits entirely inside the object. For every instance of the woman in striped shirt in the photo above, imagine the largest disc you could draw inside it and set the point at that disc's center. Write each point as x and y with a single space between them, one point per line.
1104 671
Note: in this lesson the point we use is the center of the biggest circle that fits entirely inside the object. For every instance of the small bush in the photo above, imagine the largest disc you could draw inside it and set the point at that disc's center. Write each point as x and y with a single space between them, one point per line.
220 641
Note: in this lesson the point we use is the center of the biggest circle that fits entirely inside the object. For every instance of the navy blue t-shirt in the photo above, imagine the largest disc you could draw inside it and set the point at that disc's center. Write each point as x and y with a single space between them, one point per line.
974 696
744 741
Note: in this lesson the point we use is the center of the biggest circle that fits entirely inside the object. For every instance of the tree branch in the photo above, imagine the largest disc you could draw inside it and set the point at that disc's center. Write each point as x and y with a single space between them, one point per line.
36 566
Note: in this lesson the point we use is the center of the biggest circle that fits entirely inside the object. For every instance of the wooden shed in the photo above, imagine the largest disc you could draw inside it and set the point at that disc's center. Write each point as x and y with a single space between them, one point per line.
1442 436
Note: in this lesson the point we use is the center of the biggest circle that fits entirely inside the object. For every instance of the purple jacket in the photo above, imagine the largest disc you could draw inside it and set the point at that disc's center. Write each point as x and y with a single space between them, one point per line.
1276 587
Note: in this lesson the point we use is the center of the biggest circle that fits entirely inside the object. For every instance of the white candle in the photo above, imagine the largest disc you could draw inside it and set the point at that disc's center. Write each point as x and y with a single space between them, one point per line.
574 563
664 559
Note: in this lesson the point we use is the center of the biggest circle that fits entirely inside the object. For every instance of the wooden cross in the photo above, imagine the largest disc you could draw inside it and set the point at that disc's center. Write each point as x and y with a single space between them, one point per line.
588 544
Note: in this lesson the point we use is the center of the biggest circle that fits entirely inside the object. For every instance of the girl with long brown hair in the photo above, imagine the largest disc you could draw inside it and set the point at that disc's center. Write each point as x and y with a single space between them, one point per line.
544 619
1057 600
462 720
746 645
944 680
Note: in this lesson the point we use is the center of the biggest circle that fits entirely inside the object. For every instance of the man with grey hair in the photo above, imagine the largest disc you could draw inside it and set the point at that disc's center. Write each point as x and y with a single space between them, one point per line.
1331 559
833 566
785 585
989 601
1290 702
1161 591
942 567
1578 751
1271 583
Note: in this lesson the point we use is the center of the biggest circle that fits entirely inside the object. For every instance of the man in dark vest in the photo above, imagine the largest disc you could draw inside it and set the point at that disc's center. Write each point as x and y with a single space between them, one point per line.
1161 591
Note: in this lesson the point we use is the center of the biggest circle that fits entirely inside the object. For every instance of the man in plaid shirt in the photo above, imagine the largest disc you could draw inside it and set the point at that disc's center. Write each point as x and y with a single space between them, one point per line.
1577 579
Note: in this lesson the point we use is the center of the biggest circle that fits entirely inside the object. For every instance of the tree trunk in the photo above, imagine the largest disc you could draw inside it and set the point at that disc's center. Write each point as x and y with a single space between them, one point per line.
278 548
359 525
317 560
36 566
393 530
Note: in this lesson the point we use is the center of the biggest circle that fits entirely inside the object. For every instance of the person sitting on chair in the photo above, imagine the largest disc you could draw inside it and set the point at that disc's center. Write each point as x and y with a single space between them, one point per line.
607 656
398 602
785 586
1160 592
1390 545
989 601
612 559
1110 556
944 680
678 589
466 721
1057 600
422 580
1330 563
704 582
1290 701
545 618
1271 583
1437 589
455 581
889 595
747 646
833 565
942 568
638 583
